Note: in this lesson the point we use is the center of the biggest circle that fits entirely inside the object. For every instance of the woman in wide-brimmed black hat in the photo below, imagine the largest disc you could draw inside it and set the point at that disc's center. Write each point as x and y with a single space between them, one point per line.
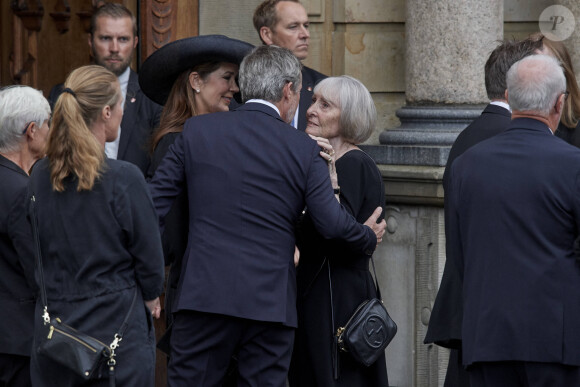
191 76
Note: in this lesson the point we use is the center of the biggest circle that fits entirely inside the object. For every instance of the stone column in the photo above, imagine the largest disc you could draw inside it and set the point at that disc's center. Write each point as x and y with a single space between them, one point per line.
447 45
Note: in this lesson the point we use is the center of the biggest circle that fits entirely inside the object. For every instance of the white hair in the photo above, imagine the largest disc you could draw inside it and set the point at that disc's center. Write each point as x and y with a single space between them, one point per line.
266 70
19 106
535 83
358 114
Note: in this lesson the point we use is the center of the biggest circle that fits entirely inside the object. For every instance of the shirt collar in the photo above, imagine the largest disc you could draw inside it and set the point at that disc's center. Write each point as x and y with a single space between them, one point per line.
264 102
501 104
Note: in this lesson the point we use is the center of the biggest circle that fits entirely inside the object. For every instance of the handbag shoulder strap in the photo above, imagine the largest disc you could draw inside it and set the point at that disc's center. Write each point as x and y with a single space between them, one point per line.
376 280
43 297
38 256
378 289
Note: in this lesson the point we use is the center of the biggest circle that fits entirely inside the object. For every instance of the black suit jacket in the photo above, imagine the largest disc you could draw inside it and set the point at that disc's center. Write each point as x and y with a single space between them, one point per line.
141 116
445 323
310 78
514 212
249 175
17 299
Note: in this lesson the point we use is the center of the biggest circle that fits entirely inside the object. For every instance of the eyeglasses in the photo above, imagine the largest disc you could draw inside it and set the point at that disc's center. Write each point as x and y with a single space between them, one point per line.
48 122
26 127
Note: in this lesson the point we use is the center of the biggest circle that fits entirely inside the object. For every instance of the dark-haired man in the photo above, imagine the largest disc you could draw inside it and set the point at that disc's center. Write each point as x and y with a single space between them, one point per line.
446 318
112 40
514 213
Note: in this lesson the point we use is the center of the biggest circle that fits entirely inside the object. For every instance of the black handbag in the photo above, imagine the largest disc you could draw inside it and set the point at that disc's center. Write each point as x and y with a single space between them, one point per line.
63 344
367 332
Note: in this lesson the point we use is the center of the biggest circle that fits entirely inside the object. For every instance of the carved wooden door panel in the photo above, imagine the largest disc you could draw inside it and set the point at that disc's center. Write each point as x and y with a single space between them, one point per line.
42 41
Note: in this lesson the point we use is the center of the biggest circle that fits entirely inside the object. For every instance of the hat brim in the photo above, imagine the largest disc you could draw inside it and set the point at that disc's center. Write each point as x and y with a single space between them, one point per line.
161 69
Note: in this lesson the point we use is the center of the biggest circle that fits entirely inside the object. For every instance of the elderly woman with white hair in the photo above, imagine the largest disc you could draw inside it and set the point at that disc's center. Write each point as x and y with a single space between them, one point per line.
342 115
24 122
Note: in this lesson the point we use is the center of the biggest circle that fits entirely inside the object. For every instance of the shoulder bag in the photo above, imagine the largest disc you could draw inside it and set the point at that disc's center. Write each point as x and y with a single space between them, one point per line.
63 344
367 332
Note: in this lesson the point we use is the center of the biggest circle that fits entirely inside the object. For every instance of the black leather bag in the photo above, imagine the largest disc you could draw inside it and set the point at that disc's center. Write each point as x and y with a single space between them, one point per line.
63 344
75 350
368 332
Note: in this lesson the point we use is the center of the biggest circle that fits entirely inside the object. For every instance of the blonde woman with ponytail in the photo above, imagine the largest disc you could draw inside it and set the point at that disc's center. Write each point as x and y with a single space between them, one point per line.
98 231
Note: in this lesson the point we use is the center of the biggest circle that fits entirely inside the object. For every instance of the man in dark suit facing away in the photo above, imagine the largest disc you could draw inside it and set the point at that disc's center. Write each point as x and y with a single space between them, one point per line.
514 213
249 175
285 24
112 40
445 322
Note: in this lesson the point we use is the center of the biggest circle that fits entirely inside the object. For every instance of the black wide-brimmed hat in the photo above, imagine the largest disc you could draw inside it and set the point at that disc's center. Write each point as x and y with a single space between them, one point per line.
161 69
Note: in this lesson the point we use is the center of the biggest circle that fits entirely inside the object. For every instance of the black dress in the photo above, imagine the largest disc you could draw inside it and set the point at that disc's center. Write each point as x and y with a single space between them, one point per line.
362 191
570 135
99 247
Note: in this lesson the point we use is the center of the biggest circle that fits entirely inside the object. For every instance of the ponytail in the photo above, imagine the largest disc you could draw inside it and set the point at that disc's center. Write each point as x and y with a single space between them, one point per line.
72 149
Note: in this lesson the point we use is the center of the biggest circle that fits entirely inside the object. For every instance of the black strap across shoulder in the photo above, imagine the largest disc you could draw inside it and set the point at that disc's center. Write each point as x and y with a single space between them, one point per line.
120 332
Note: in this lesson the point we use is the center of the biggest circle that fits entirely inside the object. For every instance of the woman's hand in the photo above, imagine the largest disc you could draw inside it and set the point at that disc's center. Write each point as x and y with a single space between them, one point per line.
155 307
327 153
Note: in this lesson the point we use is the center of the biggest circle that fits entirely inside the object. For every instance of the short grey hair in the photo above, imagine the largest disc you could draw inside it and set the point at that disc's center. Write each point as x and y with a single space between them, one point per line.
535 83
266 70
19 106
358 114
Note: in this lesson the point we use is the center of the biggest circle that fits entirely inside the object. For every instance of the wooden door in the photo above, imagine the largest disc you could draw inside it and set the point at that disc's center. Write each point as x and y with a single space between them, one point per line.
42 41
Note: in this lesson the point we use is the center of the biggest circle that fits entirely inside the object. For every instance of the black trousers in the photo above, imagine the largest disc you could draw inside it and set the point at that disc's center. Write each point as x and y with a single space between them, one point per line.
202 345
523 374
456 375
14 371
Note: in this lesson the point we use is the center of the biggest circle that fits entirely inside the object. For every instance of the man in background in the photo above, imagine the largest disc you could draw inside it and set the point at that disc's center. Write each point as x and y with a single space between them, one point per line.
285 24
445 322
514 213
112 40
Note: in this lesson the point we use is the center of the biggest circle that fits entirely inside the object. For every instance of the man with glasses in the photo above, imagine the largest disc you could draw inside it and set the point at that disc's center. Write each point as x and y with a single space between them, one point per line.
24 125
514 213
445 322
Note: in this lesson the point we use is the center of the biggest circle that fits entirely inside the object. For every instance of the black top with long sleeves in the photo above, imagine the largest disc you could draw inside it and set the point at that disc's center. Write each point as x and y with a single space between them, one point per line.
97 247
362 191
16 262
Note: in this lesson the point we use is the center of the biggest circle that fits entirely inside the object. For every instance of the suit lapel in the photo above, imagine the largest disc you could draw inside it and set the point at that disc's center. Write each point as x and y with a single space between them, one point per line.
305 98
129 114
